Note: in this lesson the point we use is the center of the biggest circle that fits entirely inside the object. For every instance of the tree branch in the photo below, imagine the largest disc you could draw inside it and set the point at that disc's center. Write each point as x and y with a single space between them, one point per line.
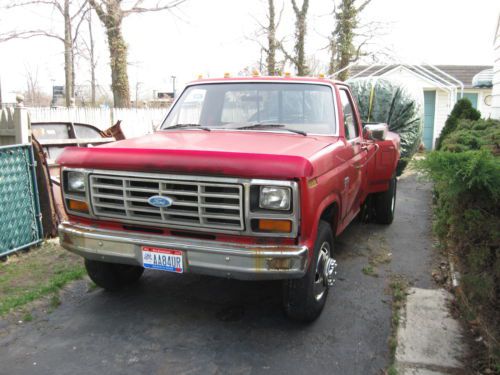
363 6
28 34
138 9
77 28
98 9
54 3
80 10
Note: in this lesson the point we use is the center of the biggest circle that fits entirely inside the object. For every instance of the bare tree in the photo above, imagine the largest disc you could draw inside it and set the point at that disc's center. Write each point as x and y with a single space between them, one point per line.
273 43
73 14
33 96
299 57
86 49
344 49
111 13
269 62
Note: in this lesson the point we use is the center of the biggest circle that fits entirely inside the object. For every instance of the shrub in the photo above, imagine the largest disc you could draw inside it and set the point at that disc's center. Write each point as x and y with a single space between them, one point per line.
466 173
462 110
474 135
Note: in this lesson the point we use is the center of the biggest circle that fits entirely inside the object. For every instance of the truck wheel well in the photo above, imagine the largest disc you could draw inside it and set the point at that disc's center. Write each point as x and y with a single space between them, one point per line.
330 215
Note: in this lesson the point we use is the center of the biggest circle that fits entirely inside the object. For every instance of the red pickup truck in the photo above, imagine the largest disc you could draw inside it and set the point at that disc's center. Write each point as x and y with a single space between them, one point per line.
247 178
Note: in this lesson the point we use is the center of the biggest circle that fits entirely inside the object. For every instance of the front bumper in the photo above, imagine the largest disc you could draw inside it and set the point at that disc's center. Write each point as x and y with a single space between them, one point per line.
231 260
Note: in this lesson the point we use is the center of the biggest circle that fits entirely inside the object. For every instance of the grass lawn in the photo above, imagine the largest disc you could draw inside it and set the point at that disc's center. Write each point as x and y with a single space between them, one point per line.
40 272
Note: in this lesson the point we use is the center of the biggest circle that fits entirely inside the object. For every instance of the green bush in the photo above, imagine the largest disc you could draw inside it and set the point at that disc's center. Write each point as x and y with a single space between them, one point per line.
462 110
466 173
474 135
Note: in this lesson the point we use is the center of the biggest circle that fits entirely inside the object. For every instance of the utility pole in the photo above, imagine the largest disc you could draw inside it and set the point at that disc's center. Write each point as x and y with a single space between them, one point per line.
0 92
137 84
173 84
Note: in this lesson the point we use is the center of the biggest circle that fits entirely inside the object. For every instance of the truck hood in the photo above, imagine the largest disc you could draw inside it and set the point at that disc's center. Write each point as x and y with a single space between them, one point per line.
231 153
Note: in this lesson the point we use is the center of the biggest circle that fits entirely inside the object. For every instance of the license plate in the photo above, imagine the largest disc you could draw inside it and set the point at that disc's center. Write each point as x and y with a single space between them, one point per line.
162 259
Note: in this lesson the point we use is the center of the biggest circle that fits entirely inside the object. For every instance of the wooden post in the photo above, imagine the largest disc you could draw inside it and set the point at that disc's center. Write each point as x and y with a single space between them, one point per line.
22 123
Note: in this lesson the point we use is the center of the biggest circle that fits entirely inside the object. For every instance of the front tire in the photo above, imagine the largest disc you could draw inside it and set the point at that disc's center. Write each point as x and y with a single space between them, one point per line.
304 298
385 204
112 276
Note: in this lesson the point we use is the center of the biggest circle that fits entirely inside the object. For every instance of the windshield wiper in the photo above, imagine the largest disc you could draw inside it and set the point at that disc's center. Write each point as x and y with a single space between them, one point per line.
187 125
268 125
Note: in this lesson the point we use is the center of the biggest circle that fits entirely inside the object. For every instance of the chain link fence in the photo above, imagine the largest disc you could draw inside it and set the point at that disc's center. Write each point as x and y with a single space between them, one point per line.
20 218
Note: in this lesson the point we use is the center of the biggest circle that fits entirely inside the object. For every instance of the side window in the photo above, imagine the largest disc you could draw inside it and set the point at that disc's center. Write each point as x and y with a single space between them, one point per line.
350 122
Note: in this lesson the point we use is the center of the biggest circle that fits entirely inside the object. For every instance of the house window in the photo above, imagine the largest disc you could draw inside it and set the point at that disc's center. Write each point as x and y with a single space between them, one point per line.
472 96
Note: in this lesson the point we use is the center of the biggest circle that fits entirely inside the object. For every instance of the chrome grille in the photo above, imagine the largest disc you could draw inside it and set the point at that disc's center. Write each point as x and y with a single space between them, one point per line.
202 204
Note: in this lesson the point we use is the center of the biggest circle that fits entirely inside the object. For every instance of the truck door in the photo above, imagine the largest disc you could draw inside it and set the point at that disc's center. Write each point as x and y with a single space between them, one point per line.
352 180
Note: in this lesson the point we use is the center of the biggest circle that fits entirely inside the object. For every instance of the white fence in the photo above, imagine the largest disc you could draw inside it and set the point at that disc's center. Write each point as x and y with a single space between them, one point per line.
14 126
135 121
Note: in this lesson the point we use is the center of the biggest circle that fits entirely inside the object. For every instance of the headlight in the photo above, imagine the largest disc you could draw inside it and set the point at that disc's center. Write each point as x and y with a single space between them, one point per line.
275 198
76 182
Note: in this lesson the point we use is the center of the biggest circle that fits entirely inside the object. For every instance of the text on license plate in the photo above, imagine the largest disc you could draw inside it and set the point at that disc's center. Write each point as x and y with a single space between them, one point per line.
162 259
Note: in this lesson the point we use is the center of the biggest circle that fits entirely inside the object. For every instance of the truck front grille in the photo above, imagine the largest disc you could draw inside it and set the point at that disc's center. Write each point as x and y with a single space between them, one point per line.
199 204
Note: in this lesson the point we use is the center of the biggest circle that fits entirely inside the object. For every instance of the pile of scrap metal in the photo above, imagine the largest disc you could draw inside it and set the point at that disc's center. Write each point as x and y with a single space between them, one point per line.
49 139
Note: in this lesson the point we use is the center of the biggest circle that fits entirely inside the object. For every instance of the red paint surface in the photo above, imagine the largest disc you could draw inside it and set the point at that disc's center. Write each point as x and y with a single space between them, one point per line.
231 153
320 164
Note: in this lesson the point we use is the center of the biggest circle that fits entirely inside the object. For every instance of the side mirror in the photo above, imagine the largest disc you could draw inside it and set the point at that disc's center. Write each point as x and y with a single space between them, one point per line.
375 132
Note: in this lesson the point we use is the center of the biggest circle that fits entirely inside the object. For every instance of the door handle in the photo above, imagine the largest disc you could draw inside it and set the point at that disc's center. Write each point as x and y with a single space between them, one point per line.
346 182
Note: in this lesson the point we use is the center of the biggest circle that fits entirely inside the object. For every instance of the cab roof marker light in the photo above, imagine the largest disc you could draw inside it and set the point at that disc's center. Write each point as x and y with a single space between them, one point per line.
288 74
227 75
321 75
255 73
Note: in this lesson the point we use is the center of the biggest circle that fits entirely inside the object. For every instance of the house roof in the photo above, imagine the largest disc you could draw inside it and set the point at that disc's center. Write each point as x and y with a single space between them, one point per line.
463 73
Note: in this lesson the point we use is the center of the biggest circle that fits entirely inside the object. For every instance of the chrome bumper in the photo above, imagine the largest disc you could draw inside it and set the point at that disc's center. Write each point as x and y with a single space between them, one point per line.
232 260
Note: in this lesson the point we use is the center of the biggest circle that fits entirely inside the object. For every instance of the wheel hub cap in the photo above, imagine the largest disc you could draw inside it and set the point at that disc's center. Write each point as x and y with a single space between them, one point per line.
330 271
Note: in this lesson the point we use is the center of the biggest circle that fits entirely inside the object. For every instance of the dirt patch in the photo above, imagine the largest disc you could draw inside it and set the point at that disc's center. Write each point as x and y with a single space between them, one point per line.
40 272
378 252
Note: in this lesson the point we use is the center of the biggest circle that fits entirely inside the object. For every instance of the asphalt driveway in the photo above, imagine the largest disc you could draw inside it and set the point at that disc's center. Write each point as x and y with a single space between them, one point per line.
170 324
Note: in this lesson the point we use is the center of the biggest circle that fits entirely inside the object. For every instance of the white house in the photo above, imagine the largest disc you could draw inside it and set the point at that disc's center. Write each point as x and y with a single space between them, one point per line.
442 85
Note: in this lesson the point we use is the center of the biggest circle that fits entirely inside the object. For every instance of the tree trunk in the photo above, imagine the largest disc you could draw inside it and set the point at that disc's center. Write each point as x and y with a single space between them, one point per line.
68 55
271 41
92 61
119 75
300 46
300 37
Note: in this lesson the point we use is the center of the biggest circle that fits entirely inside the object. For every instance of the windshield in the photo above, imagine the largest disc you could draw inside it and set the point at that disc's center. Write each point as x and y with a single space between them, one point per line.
299 107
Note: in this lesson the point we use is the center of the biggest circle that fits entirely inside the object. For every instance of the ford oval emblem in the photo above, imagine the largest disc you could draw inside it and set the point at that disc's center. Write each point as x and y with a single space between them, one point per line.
159 201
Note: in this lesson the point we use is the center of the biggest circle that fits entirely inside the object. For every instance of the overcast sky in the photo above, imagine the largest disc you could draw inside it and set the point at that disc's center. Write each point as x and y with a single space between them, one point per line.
212 37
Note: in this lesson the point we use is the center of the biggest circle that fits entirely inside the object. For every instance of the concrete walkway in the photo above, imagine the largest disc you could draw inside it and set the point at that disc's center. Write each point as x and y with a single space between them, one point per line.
429 339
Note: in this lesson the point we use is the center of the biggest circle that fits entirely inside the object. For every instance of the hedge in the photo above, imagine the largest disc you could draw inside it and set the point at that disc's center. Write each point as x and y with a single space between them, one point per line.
466 173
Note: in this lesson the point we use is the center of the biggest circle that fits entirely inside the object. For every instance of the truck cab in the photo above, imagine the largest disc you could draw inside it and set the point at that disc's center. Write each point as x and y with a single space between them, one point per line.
247 178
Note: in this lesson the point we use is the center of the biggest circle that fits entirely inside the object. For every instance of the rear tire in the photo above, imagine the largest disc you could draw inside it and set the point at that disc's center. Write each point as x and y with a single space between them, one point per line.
112 276
385 204
304 299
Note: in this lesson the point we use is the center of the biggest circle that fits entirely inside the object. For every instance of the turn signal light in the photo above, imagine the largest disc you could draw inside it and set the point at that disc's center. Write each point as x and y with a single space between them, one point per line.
283 226
78 206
